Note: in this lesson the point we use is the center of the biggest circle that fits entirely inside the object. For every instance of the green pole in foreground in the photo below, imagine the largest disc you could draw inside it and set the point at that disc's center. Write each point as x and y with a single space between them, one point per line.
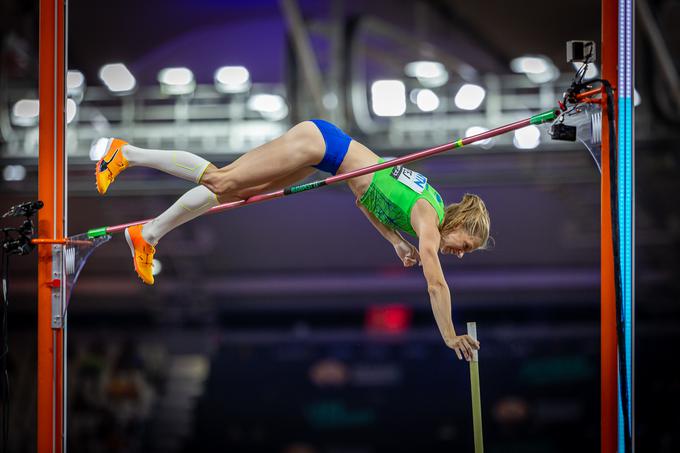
476 397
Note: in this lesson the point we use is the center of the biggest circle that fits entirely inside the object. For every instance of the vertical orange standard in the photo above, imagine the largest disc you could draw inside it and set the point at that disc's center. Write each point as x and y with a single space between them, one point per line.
608 345
51 220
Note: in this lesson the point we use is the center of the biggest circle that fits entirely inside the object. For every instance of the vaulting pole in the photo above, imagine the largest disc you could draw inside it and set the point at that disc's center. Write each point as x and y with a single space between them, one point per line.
476 393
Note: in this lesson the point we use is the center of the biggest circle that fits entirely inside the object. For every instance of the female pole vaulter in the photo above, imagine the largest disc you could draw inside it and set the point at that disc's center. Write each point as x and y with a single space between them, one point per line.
393 199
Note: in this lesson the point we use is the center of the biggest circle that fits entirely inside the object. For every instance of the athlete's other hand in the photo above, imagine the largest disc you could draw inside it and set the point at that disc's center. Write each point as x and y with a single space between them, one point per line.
463 345
407 253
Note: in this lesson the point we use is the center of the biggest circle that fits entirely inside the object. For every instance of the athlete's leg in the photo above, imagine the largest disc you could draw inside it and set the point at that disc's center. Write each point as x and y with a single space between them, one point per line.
302 146
142 239
119 155
192 204
272 166
198 200
182 164
277 184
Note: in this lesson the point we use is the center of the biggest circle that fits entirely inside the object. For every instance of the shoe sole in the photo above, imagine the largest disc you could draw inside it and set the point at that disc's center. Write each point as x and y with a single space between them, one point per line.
128 239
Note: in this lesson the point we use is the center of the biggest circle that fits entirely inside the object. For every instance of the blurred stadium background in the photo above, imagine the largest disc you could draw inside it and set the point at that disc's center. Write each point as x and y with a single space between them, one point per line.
290 326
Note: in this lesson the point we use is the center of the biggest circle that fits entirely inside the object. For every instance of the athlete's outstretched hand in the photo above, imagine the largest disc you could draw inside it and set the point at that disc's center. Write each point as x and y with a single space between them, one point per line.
407 253
463 345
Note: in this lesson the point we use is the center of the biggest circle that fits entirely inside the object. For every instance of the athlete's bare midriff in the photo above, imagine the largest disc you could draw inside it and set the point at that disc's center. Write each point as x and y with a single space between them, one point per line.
358 156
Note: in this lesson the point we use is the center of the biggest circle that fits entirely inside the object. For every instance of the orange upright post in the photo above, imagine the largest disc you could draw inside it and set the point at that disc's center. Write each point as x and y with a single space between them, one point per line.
51 222
608 346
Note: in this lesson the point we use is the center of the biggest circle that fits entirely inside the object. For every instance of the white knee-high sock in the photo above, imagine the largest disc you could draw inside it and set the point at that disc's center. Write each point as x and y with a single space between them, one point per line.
182 164
189 206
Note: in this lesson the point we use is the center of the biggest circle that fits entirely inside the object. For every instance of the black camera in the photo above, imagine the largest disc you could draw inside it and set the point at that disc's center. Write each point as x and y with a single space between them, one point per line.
17 241
560 131
28 209
580 51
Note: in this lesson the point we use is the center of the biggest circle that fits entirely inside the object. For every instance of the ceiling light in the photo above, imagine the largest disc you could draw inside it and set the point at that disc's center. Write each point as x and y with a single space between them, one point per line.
270 106
117 78
71 110
388 97
25 112
427 100
538 68
75 85
176 81
430 74
232 79
469 97
475 130
527 138
98 149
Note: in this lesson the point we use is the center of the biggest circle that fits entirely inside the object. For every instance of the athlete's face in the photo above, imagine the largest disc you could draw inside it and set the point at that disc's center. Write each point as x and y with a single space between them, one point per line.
458 242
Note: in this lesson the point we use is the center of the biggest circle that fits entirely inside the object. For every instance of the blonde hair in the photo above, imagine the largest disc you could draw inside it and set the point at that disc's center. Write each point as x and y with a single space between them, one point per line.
471 215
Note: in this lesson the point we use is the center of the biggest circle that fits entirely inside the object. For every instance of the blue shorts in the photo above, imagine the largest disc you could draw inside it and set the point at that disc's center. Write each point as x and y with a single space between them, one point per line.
337 144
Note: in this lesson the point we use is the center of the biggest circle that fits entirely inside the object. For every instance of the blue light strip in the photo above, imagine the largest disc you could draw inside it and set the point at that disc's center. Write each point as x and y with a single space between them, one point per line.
626 202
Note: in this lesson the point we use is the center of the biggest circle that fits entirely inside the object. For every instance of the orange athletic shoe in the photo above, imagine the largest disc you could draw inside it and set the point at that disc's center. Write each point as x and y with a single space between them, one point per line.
142 253
111 164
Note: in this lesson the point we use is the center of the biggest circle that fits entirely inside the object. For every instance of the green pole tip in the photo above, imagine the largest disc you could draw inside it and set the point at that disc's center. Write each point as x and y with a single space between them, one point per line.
544 117
96 232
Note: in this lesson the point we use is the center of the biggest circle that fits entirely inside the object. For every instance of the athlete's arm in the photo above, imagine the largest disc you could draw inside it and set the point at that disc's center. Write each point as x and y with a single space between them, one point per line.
405 250
438 289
